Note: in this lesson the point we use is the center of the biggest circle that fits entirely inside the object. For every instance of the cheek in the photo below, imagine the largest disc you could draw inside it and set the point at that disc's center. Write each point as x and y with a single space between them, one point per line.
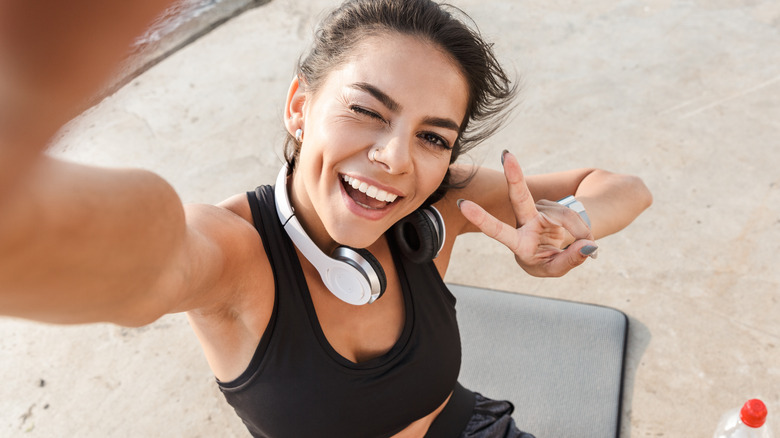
340 140
434 170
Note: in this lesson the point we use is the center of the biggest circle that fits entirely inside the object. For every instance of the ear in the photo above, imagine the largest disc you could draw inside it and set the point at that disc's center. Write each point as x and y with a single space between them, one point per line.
294 107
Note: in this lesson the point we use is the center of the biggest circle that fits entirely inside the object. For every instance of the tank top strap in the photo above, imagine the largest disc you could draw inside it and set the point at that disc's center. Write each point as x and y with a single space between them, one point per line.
264 220
283 260
288 274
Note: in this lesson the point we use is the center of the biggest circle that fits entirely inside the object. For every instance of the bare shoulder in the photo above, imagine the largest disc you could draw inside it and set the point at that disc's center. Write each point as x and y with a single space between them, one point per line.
238 205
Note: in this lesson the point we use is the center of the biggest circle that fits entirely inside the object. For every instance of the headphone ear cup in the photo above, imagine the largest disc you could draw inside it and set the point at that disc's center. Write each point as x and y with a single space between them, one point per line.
380 273
420 235
373 272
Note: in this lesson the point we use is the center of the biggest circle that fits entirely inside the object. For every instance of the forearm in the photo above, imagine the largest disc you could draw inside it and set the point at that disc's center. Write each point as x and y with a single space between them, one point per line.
81 244
54 57
612 201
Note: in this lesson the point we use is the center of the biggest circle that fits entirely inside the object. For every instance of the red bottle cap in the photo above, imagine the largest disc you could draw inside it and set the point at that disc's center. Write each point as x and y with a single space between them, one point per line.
753 414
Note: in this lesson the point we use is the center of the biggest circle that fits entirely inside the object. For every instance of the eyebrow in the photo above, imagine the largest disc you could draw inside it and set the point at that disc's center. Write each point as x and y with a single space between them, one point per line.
379 95
394 106
442 123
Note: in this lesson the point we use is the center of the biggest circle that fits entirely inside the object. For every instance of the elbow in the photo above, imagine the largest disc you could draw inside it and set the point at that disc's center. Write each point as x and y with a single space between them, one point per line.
635 194
623 188
643 196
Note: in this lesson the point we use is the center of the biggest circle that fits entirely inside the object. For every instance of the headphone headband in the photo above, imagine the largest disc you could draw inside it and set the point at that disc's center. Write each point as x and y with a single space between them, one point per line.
354 286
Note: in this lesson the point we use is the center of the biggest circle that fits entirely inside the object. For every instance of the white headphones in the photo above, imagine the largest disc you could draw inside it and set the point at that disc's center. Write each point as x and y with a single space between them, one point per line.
354 275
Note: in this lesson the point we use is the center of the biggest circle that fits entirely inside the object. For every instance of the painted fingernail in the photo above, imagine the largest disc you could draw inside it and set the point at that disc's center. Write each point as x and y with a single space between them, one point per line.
458 202
503 154
589 250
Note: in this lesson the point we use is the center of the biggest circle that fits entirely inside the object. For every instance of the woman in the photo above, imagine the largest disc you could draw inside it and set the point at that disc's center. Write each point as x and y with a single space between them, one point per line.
390 95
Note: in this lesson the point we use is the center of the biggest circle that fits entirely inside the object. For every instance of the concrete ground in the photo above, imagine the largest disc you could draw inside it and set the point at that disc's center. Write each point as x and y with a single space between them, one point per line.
684 94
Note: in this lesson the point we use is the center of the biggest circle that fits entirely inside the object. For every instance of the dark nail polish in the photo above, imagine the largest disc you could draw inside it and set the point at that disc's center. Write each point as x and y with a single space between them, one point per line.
503 154
588 250
458 202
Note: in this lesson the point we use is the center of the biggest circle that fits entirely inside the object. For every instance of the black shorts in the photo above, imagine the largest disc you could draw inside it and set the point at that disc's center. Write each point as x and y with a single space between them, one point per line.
492 419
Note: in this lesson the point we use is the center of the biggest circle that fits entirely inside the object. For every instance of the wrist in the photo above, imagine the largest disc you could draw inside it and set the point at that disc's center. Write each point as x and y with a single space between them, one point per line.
572 203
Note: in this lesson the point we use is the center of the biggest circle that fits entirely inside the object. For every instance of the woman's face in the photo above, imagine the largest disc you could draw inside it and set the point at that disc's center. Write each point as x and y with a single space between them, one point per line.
396 94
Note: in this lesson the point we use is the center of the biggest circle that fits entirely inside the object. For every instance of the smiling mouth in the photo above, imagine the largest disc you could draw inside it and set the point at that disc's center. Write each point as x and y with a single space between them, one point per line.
366 195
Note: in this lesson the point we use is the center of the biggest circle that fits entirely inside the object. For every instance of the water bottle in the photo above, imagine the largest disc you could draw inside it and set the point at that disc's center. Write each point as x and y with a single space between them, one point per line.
748 422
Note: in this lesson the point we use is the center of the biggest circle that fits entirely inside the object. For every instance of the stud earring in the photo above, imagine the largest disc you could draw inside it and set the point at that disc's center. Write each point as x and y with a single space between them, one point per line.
299 135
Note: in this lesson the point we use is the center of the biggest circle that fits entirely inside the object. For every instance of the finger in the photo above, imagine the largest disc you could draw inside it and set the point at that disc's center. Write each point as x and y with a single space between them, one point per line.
568 218
489 225
573 256
519 195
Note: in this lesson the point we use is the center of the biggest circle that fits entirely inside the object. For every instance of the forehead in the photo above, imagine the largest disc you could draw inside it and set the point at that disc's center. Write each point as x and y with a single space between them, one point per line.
407 68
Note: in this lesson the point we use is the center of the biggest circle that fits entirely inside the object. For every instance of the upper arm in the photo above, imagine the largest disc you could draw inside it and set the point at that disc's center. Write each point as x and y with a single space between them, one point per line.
225 256
219 259
80 242
85 244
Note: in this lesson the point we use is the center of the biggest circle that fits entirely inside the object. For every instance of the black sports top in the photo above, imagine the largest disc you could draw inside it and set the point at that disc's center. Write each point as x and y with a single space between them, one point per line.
297 385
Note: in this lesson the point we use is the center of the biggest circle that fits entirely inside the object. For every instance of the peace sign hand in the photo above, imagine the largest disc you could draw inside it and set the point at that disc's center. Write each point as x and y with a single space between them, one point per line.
538 239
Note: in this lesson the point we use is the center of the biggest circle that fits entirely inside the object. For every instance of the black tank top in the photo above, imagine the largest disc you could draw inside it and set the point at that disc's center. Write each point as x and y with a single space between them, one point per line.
297 385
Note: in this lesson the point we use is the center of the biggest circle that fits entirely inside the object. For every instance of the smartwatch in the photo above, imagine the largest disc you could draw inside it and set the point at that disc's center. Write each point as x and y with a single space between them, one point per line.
574 204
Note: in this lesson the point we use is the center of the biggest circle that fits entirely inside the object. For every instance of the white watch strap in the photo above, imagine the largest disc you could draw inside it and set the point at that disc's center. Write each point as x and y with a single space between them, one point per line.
574 204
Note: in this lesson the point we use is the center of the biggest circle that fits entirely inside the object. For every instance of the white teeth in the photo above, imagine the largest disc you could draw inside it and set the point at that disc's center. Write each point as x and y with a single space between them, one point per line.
369 190
381 195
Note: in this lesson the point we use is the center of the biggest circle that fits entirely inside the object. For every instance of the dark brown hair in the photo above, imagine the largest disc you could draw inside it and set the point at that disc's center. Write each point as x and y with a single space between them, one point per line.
490 90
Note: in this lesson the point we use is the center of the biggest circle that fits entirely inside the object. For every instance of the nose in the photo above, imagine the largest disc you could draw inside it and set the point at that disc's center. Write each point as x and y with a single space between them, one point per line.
395 153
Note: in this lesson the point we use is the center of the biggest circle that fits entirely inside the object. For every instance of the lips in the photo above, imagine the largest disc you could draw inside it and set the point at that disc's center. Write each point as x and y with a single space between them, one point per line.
367 195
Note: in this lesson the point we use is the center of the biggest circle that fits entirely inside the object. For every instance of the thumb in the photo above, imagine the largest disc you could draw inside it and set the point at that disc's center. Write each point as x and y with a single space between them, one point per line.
573 256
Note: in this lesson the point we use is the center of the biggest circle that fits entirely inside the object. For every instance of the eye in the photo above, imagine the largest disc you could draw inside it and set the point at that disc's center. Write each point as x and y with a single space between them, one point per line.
364 112
435 140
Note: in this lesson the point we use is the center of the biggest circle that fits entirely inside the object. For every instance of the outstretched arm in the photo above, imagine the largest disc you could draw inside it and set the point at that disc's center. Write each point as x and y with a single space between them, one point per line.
547 238
78 242
88 244
54 57
81 243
